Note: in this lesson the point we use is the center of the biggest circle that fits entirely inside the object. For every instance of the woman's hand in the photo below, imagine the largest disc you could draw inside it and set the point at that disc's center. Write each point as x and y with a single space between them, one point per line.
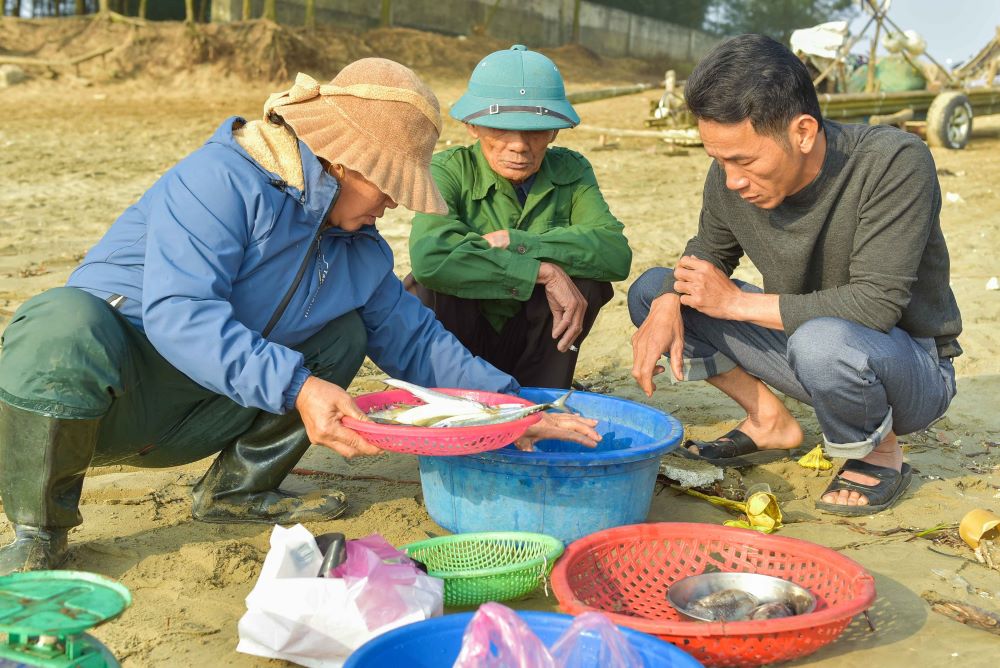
322 405
561 427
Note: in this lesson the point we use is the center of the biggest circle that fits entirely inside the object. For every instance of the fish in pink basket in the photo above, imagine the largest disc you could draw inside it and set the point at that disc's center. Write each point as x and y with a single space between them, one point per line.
447 410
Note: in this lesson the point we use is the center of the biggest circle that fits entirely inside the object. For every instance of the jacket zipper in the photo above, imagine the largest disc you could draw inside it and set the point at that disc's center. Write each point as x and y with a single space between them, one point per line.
322 269
283 304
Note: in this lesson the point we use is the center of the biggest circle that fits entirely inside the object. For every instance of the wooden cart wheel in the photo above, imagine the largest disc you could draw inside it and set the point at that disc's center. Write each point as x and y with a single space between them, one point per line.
949 120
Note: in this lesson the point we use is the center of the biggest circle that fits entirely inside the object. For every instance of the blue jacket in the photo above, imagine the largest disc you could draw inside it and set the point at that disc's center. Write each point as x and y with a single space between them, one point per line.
222 239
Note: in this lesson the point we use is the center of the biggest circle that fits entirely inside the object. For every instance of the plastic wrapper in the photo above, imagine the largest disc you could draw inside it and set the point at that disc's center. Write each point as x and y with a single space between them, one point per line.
761 510
815 460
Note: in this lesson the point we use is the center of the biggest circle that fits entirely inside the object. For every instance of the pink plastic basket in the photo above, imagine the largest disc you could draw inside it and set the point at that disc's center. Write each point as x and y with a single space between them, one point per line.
441 441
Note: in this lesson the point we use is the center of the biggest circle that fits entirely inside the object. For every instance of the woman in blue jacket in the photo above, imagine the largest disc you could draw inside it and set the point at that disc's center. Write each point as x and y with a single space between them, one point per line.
226 311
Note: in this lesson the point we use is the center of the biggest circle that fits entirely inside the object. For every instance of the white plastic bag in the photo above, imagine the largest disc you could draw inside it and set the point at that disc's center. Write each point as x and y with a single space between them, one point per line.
317 622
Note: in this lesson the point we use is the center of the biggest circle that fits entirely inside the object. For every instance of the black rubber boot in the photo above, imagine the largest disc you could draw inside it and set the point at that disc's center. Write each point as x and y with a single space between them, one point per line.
242 483
34 549
43 461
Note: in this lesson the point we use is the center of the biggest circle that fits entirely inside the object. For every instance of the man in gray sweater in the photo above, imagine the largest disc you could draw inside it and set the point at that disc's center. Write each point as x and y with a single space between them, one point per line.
855 318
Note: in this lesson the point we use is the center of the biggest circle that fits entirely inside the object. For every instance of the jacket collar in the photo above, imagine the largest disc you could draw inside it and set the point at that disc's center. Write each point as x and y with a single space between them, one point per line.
321 189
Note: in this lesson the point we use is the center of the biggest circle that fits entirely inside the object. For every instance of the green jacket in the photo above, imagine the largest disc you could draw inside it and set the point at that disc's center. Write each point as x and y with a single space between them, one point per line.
565 221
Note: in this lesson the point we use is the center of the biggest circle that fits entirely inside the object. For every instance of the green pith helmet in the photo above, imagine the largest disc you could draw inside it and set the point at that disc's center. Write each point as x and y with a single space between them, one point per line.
516 89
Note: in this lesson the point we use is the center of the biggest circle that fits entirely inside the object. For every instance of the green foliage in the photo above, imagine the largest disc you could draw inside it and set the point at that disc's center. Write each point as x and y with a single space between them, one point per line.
775 18
687 13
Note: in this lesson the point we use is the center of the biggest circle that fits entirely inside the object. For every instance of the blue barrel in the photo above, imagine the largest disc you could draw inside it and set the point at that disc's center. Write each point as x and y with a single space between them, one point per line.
436 642
562 489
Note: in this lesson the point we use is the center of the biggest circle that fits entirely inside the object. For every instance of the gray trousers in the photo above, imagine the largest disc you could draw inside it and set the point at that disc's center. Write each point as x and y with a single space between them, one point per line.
862 383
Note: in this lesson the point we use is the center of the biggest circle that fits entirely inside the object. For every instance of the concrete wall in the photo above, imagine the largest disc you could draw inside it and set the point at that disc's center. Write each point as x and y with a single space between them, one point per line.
536 23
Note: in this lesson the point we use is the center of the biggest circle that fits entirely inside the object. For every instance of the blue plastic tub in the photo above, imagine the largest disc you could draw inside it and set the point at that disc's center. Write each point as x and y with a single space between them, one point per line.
562 489
435 643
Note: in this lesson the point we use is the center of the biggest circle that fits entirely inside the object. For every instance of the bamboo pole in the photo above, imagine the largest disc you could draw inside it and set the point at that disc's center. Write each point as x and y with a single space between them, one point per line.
870 81
604 93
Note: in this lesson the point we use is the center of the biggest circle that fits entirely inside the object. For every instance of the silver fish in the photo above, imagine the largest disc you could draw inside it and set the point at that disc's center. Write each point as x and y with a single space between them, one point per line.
446 410
429 396
389 414
421 415
497 414
437 406
727 605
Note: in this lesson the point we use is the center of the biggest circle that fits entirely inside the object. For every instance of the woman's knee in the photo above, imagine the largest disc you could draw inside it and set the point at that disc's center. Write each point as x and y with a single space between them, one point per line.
644 290
336 352
63 350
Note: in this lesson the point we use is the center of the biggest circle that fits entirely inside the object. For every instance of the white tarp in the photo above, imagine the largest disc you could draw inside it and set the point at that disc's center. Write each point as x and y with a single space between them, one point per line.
823 40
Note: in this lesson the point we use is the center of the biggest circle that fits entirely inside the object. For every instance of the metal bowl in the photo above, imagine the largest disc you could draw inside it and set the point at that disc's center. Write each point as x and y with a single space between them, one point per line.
765 588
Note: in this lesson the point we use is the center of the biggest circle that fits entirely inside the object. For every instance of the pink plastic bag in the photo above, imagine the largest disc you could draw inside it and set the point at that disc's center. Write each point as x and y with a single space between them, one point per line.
384 567
593 641
497 637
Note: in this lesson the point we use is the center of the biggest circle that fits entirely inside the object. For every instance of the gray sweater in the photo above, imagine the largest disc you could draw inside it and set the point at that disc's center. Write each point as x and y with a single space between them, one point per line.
862 242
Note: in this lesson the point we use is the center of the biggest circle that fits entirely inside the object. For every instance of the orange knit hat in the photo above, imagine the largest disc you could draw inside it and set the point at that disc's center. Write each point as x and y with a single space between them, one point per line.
375 117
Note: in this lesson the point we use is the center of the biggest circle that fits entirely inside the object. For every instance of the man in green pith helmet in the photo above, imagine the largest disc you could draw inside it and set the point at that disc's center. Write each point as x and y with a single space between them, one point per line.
522 263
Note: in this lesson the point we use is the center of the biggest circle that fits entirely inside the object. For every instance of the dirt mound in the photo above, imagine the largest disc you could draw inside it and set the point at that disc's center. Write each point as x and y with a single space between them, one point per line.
264 52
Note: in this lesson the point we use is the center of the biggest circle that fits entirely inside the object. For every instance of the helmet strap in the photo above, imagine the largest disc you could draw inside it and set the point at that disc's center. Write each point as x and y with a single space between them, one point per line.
494 109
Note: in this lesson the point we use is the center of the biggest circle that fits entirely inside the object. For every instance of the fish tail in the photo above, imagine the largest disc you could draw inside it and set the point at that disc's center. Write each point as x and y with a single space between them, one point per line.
560 403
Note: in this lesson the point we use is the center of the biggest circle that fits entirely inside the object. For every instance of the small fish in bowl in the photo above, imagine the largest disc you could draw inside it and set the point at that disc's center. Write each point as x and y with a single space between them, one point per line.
724 605
735 597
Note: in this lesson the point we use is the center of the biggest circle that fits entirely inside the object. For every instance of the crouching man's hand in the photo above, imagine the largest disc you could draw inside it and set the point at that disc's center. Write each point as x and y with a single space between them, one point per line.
561 427
322 405
567 303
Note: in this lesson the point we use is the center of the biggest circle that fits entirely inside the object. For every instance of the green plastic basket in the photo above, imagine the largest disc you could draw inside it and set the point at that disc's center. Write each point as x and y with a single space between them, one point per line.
488 566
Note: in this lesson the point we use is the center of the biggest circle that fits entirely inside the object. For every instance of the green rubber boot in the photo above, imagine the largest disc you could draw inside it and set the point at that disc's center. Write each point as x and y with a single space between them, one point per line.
242 483
43 461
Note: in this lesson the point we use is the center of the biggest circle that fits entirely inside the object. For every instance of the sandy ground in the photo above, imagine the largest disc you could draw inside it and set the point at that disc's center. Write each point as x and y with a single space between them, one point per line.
73 157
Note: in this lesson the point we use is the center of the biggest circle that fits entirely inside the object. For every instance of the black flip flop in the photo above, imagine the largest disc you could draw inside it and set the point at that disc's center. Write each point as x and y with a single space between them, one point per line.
735 450
891 485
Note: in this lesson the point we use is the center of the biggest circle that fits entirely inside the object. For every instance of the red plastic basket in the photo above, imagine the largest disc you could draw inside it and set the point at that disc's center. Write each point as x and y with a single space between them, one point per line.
626 571
443 441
